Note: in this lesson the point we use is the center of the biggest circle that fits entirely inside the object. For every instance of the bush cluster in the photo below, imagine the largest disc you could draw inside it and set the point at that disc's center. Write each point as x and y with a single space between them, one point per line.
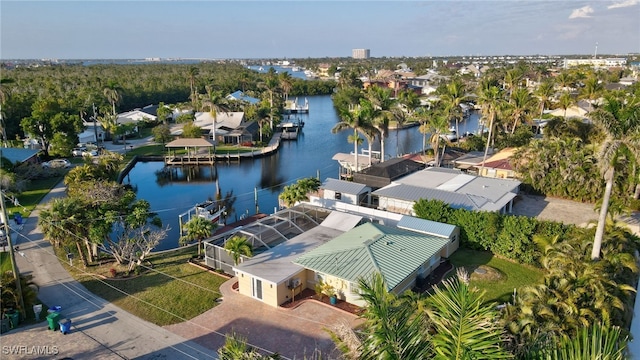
509 236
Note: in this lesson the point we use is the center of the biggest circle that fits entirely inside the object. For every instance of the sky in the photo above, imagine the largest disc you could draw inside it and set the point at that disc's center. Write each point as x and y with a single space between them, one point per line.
239 29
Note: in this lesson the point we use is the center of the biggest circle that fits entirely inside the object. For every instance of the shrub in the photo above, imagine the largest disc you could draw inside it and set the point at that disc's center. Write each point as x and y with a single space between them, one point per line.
506 235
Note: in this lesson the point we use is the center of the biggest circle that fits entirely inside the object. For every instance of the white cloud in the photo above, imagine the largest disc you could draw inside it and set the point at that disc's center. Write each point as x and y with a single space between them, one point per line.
623 4
583 12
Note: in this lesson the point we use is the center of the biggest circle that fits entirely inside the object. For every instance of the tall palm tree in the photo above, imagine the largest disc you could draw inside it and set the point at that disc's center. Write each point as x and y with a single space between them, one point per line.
520 106
490 100
436 123
620 121
564 80
217 103
286 83
544 92
113 93
237 246
512 79
565 101
192 74
198 228
453 96
357 120
381 105
591 91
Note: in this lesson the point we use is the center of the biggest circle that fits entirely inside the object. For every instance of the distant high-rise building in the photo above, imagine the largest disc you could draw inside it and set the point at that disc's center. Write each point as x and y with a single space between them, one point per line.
360 53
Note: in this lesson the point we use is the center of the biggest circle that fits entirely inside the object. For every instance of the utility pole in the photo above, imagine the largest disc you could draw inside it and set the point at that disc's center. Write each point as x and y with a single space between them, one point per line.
14 267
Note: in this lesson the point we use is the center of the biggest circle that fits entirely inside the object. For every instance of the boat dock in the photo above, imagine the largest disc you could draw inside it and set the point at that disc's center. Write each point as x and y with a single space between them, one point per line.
292 107
291 129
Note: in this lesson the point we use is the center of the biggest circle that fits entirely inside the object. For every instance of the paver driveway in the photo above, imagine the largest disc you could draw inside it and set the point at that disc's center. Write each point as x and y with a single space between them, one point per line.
292 333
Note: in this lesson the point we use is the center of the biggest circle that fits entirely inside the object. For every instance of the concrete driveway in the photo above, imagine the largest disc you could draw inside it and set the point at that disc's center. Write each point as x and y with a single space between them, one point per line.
555 209
292 333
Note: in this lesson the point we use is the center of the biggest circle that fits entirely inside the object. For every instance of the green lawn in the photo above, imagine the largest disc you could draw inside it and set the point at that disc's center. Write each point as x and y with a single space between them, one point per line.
5 262
514 275
37 189
185 291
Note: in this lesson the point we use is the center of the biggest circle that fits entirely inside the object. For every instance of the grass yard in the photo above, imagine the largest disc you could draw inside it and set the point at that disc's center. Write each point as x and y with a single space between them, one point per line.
28 199
513 275
5 262
181 289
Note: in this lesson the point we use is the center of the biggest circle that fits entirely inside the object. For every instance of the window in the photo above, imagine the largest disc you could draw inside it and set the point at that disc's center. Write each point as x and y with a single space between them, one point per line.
338 196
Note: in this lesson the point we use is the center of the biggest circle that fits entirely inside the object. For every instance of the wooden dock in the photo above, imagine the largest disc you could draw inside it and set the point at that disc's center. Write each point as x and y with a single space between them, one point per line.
177 160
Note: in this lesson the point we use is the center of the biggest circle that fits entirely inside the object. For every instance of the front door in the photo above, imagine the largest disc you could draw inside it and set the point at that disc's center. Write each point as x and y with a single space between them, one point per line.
257 288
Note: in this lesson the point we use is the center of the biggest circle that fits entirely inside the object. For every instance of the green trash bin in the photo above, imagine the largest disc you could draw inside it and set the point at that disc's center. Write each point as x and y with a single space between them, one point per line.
53 319
14 318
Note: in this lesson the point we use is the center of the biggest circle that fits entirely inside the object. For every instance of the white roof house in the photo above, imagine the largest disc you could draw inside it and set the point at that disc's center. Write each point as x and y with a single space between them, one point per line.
225 122
458 189
134 116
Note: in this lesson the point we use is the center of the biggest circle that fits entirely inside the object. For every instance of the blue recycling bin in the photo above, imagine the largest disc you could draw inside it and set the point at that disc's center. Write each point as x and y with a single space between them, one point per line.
17 217
65 326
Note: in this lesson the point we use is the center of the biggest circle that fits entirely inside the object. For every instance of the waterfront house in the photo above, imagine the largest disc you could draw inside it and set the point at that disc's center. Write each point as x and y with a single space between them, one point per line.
240 96
382 174
292 245
452 186
401 254
231 127
348 192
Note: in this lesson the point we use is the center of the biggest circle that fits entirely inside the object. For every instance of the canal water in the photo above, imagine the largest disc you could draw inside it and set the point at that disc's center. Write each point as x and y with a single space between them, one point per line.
260 181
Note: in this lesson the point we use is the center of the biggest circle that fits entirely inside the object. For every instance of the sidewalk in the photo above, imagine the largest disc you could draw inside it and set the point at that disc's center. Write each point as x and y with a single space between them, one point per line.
99 329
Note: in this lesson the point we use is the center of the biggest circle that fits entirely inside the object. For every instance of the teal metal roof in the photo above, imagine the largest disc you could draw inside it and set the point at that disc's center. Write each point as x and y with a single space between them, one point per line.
370 248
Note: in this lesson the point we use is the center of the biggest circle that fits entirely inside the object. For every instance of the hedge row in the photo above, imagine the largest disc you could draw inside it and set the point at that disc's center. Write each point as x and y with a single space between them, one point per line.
506 235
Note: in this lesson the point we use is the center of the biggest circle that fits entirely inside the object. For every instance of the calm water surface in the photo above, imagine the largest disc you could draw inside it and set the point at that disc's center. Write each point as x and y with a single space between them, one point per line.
176 192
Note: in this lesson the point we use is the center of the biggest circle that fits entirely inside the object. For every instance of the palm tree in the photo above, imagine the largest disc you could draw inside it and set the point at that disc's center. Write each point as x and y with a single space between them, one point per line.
286 83
490 99
564 80
565 101
520 106
594 341
381 105
113 93
237 246
620 122
436 124
357 120
453 96
512 80
392 329
62 225
198 228
591 91
217 103
464 326
544 92
191 76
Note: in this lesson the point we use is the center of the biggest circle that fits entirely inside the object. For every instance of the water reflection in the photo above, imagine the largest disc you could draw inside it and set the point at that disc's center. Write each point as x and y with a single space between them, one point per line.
166 175
174 191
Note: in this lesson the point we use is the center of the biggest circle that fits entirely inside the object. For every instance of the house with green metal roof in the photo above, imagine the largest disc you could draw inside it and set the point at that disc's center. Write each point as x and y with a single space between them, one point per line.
297 247
400 255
